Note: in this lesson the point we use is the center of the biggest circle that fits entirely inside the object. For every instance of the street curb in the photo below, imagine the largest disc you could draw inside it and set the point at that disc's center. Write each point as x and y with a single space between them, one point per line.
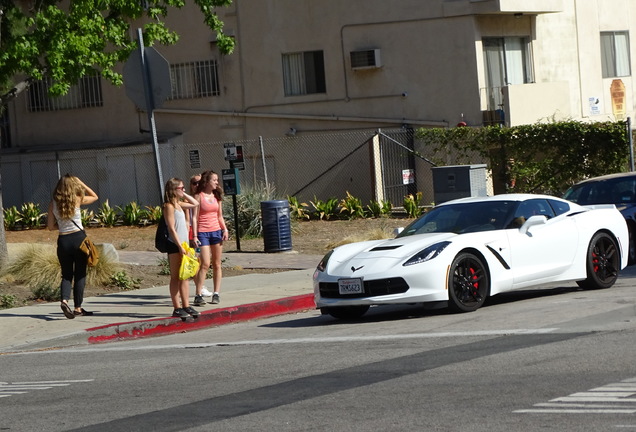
217 317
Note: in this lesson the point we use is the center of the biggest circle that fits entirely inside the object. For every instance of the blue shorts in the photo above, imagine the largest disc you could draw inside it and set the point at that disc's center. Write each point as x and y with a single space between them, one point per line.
210 238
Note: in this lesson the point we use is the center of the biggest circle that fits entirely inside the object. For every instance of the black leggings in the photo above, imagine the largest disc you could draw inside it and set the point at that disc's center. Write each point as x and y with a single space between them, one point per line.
73 264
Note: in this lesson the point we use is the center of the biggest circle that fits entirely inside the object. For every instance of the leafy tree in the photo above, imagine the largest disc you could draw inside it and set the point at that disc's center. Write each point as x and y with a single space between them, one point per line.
66 40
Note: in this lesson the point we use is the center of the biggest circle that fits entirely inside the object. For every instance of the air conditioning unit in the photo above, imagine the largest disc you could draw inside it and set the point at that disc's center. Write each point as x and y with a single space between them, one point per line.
367 59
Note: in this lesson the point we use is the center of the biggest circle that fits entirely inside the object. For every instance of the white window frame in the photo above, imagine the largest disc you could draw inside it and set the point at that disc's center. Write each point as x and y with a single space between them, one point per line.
615 58
507 61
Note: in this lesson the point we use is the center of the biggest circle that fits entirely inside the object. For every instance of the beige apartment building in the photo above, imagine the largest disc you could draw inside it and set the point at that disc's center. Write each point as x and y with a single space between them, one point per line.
304 67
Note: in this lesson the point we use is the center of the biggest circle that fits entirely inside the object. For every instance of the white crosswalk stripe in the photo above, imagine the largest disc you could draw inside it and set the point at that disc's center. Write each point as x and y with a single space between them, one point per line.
616 398
22 387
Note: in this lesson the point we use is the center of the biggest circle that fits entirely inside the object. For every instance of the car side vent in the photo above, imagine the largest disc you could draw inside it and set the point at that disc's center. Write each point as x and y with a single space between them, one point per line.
383 248
368 59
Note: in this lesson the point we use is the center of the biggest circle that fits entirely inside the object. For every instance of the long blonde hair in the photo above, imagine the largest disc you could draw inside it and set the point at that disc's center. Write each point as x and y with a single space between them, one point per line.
66 193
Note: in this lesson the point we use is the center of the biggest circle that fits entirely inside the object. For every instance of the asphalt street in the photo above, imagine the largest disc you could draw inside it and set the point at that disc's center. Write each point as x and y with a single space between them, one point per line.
555 358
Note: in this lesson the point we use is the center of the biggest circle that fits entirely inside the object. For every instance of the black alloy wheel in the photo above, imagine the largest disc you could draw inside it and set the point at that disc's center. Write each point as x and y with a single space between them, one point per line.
468 284
602 262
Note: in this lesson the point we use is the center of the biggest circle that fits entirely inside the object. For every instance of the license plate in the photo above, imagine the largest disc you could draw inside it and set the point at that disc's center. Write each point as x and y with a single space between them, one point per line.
350 286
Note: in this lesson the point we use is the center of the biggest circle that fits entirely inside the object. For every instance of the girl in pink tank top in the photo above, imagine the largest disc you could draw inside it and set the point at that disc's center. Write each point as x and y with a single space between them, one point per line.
210 232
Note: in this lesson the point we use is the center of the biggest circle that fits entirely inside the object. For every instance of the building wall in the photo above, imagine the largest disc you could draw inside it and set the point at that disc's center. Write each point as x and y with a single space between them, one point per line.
432 74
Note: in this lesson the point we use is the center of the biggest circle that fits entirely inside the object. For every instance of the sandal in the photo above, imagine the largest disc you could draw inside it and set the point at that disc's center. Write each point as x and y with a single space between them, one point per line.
68 313
83 312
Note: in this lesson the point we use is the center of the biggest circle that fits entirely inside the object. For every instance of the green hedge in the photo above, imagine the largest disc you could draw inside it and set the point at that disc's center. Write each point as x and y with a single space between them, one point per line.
539 158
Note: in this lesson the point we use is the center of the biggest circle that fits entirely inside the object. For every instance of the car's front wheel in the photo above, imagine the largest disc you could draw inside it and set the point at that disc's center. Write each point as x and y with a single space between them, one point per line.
345 312
468 283
602 262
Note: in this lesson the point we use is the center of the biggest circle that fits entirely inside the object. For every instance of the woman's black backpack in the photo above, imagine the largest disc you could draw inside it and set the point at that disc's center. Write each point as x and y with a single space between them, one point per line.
161 236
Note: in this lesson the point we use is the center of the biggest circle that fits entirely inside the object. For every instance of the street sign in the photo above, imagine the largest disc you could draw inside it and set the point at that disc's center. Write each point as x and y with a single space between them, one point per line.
159 71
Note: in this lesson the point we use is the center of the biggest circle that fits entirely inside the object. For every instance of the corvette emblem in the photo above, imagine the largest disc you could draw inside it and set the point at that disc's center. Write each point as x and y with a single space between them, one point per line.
353 269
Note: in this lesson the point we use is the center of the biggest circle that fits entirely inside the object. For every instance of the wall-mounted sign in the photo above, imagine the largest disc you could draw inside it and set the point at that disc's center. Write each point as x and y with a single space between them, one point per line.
595 105
195 159
408 176
617 90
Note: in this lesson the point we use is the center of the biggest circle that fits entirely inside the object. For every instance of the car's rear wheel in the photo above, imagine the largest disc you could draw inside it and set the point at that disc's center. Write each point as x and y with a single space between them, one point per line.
602 262
468 283
346 312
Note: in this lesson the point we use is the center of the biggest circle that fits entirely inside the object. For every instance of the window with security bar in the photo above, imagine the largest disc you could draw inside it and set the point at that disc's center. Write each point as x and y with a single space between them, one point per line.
86 93
194 79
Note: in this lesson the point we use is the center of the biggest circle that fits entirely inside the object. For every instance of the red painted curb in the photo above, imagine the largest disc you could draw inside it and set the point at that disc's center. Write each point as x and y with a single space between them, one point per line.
164 326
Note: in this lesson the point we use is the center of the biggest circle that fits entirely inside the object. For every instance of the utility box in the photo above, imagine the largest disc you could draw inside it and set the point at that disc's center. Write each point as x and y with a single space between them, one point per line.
459 181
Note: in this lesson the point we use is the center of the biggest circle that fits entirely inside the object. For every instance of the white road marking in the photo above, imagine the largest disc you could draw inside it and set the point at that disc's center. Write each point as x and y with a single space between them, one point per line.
22 387
616 398
127 347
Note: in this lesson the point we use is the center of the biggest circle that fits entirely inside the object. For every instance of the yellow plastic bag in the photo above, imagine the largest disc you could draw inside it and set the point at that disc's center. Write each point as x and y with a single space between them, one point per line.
189 263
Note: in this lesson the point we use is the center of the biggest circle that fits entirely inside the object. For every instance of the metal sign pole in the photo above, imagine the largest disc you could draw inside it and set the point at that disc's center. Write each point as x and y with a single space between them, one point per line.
631 143
150 107
236 223
260 141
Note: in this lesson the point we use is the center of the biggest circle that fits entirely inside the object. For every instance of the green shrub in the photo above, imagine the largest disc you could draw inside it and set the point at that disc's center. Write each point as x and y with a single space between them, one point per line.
121 280
154 213
325 209
8 301
164 265
31 214
46 293
107 215
545 157
249 210
88 217
378 209
297 210
12 217
132 213
352 207
412 205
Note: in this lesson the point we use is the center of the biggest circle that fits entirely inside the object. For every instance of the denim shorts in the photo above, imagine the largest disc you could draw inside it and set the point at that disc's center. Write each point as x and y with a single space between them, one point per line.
210 238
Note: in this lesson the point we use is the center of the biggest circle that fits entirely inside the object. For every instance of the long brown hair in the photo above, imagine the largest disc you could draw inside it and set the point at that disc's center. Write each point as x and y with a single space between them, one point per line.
169 194
66 192
205 178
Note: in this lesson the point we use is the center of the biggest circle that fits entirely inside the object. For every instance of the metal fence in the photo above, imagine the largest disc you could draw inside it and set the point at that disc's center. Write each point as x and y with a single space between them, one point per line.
381 165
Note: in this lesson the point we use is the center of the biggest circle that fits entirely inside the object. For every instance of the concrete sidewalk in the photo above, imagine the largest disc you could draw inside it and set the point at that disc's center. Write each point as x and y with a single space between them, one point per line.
147 312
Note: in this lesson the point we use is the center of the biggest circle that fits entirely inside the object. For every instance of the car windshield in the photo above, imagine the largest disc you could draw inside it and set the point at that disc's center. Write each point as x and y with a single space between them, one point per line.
611 191
464 218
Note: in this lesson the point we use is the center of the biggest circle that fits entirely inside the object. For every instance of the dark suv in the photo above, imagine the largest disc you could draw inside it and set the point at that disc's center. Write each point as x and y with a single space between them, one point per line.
617 189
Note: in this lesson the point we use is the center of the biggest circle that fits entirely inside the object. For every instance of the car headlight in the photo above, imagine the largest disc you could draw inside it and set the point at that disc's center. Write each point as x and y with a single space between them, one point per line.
322 265
427 254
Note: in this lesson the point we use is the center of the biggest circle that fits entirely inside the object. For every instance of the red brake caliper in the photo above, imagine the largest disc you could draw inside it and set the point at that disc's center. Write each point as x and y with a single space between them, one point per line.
595 261
474 278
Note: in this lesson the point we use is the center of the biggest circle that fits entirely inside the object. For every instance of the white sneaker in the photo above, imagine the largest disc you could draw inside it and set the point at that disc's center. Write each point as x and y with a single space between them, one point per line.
205 292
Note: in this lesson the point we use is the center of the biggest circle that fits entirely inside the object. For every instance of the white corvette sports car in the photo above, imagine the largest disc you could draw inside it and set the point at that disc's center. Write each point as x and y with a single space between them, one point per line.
465 250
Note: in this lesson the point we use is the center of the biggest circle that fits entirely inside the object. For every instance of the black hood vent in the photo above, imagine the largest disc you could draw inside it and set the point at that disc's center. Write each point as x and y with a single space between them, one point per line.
383 248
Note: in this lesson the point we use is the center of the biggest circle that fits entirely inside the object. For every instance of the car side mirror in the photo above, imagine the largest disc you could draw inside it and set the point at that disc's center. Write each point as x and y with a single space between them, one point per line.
397 231
533 221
